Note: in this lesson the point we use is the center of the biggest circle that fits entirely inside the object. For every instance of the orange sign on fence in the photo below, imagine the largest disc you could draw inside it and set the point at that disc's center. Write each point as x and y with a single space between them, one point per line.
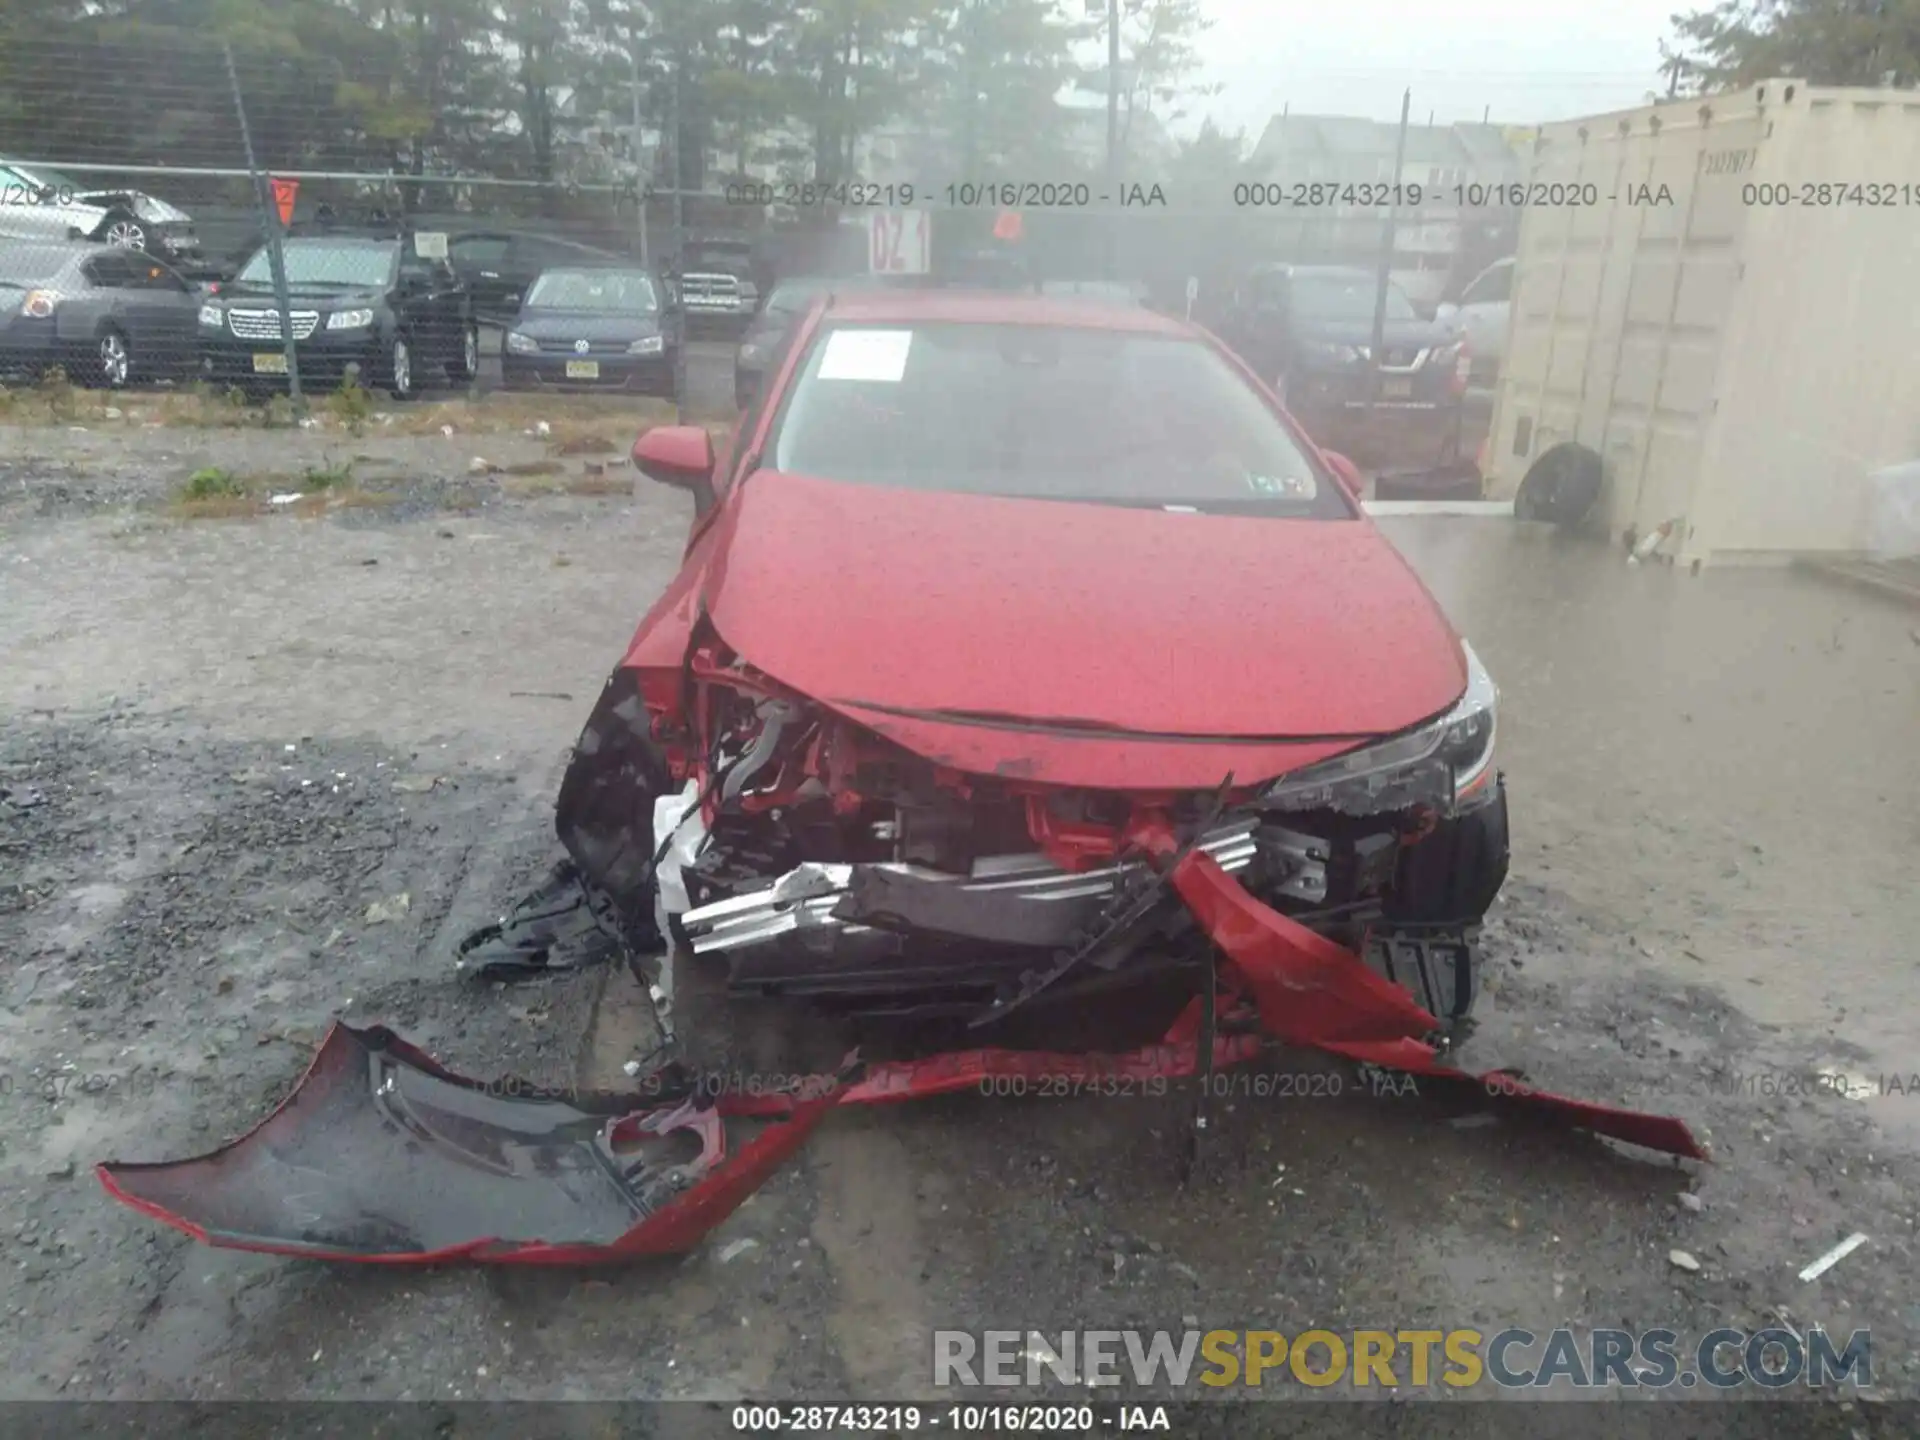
284 192
1007 226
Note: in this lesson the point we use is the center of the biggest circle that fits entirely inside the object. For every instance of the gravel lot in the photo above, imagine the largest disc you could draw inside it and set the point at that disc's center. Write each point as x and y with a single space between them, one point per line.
223 739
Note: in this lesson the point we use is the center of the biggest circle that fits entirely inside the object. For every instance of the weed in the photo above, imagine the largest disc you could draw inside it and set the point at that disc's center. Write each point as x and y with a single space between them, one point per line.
327 477
213 483
351 405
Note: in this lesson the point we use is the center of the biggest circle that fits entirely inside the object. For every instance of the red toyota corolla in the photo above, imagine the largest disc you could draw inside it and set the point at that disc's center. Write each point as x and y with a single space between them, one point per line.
985 589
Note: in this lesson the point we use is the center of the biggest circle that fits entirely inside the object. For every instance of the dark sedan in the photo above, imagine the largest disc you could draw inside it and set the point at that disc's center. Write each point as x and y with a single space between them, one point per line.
594 328
1308 330
761 342
106 315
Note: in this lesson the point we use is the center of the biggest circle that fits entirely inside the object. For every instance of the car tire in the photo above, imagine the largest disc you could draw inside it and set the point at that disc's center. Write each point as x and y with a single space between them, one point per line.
398 374
110 367
124 229
464 363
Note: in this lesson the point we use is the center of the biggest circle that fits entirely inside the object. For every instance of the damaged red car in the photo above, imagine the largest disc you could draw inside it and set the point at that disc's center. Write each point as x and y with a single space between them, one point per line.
984 590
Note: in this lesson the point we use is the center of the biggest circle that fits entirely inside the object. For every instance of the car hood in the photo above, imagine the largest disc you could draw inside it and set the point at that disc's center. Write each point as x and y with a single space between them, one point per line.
1399 334
1091 618
585 325
325 297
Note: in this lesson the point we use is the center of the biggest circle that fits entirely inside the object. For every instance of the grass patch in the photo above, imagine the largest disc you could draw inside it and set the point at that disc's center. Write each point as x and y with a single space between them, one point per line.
350 406
213 483
321 478
600 485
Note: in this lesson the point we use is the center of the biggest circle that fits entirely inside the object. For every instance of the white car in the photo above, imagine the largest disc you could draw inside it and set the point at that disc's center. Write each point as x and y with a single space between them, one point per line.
37 202
1481 315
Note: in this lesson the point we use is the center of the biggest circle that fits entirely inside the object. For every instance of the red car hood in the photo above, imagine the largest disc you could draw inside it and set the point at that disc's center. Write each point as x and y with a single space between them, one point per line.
911 603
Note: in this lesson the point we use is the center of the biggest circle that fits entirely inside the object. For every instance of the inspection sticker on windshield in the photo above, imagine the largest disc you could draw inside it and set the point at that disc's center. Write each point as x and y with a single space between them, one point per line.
430 244
873 355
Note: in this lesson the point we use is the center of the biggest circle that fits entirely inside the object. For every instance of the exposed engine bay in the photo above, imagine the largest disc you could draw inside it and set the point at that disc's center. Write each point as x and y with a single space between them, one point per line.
811 857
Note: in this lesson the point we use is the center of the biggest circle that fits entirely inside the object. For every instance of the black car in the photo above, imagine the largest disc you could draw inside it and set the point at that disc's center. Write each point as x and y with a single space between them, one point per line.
498 266
599 327
104 314
1308 331
760 345
377 301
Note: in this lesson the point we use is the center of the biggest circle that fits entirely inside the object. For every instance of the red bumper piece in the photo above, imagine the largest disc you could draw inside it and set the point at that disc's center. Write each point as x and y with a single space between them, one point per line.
1310 991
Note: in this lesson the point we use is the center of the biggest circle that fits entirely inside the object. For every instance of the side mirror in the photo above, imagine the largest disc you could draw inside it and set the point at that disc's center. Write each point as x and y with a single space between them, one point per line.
1447 312
680 456
1346 472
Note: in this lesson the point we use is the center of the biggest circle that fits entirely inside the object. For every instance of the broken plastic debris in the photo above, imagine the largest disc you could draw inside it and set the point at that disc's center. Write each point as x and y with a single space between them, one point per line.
446 429
630 1069
542 428
734 1249
383 910
286 499
1834 1256
1681 1260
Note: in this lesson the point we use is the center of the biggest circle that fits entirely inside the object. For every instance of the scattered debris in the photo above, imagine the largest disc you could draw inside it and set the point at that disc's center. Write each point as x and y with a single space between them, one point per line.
481 466
1681 1260
382 911
631 1069
1834 1256
1690 1201
734 1249
287 498
63 1171
418 784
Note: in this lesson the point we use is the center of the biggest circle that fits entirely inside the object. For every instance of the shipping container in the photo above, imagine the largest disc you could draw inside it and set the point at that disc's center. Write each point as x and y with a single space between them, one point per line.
1720 298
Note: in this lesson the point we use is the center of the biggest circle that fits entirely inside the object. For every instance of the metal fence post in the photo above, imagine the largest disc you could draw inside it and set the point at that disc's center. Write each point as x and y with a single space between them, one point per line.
679 228
1386 256
270 214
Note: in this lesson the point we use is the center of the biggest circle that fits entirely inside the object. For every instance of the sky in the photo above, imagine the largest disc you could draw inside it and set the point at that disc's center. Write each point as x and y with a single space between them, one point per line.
1529 60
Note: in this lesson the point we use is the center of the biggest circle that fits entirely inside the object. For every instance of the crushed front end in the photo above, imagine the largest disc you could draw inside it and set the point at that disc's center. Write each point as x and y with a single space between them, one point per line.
777 848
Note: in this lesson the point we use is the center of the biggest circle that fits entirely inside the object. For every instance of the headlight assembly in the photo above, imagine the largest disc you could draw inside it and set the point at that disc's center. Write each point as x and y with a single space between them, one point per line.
522 344
648 345
1449 762
350 320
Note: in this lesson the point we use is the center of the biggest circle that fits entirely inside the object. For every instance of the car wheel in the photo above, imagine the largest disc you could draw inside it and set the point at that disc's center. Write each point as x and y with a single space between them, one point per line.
112 361
400 379
465 364
124 229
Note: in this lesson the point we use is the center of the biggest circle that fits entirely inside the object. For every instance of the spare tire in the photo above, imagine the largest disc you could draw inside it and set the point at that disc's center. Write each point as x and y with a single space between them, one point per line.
1561 486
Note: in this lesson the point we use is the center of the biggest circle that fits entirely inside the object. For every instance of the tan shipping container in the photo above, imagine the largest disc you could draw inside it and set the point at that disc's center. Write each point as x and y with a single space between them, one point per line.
1721 298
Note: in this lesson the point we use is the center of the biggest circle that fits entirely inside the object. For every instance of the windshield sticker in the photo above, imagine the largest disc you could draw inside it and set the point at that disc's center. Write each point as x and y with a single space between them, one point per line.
430 244
878 356
1294 487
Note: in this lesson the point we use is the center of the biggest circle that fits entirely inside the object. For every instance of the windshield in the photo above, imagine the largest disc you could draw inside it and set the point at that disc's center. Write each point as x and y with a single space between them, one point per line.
1345 296
626 291
360 264
1045 413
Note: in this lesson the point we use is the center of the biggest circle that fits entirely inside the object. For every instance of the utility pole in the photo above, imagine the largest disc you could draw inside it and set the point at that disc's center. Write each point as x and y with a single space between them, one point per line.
640 177
1374 355
679 217
1113 136
276 253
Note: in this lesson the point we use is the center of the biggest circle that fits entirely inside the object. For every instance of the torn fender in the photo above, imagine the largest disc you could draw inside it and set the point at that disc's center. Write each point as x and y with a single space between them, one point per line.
1311 991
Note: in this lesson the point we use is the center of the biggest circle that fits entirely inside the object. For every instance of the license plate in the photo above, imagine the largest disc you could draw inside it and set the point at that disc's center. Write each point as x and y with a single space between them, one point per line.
270 364
583 369
1396 389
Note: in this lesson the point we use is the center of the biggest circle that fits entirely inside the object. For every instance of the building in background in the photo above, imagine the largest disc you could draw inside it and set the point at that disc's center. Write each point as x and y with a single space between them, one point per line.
1453 235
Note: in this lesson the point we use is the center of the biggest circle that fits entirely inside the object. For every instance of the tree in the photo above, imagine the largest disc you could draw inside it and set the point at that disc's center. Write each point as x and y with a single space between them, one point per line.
1826 42
1159 58
993 71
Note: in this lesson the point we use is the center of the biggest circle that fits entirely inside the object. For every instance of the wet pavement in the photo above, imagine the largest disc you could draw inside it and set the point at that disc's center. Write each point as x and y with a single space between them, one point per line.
1709 901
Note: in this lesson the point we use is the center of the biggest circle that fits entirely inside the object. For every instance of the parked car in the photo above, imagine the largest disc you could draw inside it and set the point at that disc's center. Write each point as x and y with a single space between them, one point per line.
1481 316
43 203
785 304
910 682
715 278
498 266
106 315
360 299
597 327
1308 329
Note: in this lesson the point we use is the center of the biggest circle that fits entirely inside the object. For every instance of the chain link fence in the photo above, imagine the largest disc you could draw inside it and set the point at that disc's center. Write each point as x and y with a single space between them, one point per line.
147 172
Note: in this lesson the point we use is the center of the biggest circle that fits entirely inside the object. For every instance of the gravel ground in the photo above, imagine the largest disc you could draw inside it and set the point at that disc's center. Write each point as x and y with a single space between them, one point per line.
222 741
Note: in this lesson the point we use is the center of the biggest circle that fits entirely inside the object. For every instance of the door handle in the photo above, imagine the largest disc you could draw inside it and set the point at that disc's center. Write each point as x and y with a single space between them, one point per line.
489 274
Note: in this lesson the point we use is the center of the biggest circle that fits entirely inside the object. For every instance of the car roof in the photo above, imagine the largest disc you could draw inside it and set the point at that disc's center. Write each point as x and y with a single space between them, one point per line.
1001 307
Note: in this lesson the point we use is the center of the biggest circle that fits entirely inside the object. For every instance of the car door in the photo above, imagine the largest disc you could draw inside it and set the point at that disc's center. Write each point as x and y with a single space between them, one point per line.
422 305
166 308
481 261
1485 307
